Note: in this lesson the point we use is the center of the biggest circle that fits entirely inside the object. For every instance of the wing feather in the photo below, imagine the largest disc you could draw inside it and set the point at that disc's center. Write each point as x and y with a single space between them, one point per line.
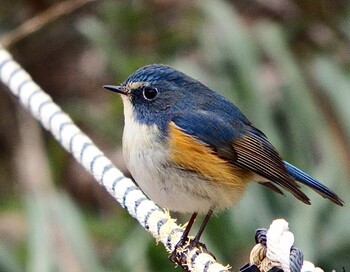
259 156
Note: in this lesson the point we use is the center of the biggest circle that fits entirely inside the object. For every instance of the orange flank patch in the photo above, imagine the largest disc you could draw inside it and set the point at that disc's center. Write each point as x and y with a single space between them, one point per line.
191 154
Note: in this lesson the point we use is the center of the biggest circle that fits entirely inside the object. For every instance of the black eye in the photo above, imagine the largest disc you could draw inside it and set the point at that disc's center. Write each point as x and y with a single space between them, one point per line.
150 93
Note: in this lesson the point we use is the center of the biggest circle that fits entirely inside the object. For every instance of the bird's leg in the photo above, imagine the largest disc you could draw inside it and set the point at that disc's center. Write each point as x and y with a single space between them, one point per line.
183 239
179 253
202 227
184 236
195 242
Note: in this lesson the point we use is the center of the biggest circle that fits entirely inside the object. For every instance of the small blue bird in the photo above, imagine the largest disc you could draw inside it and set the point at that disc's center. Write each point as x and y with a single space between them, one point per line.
191 150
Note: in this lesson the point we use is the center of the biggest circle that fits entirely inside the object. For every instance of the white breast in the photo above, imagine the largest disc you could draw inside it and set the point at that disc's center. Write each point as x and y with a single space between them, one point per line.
144 155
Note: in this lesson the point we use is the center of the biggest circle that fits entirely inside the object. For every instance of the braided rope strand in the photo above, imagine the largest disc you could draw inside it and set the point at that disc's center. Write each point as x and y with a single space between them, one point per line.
274 249
154 219
279 242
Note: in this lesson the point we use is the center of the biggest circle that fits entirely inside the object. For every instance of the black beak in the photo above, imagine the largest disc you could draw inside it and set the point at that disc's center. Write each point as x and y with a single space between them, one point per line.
117 89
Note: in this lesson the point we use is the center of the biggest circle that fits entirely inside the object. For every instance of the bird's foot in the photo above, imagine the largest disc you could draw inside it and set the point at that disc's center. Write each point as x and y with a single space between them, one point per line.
182 249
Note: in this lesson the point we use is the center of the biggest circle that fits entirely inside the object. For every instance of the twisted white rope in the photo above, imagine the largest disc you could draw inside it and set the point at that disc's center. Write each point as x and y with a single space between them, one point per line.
310 267
279 246
279 243
275 249
154 219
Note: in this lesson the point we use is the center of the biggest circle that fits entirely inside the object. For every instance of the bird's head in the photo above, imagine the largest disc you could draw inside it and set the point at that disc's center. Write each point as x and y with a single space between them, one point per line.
154 93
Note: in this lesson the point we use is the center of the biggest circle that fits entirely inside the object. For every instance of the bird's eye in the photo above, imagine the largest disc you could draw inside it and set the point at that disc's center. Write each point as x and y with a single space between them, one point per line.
150 93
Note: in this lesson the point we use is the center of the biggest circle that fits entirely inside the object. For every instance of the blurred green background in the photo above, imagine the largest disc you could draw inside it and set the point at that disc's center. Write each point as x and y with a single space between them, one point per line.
285 64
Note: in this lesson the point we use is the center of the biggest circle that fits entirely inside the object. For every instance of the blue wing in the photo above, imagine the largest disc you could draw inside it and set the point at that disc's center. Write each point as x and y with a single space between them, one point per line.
240 144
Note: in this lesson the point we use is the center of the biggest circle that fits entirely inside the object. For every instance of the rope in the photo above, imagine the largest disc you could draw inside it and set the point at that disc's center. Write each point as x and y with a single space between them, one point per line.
274 250
154 219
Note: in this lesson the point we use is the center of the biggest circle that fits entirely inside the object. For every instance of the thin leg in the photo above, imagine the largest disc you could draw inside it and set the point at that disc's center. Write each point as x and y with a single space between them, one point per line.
202 227
173 256
188 228
179 257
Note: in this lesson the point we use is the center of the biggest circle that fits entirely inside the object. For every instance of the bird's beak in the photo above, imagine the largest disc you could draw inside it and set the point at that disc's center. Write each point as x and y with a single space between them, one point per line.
117 89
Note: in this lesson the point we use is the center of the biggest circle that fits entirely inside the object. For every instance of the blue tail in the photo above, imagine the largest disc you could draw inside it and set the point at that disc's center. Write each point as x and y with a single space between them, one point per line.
305 179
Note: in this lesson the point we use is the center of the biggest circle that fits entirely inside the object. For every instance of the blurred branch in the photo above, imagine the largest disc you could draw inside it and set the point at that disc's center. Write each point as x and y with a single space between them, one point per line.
39 21
31 163
333 120
335 126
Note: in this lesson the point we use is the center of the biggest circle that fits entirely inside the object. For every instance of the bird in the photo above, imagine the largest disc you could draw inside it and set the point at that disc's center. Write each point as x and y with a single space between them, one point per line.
191 150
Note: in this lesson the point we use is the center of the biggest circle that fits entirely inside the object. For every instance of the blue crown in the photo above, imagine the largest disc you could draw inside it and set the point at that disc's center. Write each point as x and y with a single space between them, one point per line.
155 72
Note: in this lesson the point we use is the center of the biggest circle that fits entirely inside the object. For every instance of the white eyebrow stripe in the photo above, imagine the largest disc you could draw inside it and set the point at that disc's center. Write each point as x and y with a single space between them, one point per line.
135 85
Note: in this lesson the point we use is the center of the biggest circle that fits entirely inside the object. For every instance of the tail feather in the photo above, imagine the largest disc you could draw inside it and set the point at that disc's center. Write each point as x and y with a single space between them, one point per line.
307 180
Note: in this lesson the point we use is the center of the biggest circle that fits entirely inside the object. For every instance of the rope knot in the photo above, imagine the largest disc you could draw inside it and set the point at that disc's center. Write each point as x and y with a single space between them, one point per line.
274 250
